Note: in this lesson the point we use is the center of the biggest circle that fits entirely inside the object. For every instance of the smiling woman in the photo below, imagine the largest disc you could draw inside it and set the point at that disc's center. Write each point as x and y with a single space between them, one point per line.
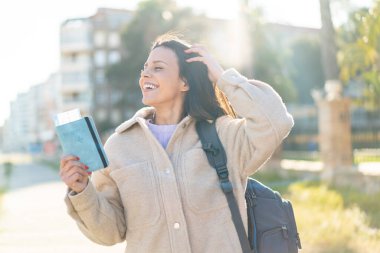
159 185
160 81
169 81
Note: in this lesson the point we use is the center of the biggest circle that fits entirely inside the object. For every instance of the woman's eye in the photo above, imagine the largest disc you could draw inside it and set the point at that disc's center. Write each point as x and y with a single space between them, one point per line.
157 68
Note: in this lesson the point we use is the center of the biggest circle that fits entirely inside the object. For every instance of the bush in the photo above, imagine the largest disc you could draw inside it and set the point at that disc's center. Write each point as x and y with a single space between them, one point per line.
327 225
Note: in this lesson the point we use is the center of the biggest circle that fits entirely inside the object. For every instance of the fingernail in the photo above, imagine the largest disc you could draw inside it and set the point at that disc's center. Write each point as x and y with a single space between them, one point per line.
86 167
89 172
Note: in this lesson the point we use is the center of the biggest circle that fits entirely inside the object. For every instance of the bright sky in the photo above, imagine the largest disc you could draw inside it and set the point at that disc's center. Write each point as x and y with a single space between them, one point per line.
29 48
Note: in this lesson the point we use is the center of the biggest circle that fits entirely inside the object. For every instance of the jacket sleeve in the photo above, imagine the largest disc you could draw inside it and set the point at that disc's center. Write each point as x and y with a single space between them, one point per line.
263 122
98 210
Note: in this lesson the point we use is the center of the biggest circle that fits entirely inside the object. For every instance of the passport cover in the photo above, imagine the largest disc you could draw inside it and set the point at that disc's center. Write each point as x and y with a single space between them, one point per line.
80 138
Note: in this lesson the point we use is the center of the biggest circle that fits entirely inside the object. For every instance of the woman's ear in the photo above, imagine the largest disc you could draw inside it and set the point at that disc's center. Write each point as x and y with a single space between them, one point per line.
184 85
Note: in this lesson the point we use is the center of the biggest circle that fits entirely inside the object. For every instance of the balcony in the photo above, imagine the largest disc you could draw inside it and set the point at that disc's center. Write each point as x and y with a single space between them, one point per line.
76 67
69 88
80 46
84 107
76 36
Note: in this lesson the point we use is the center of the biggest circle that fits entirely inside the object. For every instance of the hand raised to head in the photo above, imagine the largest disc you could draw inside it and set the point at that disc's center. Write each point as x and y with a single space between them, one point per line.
215 71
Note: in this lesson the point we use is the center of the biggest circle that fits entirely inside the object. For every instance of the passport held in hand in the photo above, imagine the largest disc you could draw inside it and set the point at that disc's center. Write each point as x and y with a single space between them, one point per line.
78 136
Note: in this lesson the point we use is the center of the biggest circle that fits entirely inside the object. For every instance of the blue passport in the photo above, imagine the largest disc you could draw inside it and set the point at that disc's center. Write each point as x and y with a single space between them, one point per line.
80 138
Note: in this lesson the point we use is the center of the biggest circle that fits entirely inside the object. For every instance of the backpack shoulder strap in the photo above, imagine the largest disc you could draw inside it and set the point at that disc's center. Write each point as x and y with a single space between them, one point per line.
217 158
215 152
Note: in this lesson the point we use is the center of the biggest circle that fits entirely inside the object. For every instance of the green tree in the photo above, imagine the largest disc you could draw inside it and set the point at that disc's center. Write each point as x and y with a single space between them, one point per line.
269 59
152 18
359 54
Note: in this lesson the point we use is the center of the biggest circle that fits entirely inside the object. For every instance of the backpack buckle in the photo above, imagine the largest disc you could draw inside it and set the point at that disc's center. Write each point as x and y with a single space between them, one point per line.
222 172
285 232
226 186
209 148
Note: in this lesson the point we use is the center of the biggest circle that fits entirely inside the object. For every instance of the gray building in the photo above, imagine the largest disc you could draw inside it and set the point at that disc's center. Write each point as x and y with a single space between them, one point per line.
88 46
30 126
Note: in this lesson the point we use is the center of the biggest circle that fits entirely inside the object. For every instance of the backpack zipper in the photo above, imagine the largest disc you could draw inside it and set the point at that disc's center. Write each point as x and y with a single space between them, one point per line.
292 218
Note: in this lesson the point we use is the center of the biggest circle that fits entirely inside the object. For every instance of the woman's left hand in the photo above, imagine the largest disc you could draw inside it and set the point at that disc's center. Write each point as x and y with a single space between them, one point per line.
215 71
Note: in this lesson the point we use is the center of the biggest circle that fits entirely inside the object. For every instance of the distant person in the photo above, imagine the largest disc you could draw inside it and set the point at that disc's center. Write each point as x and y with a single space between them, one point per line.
159 193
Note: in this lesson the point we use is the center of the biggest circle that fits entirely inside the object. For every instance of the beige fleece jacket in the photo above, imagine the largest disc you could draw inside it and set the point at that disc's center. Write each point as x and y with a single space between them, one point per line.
170 200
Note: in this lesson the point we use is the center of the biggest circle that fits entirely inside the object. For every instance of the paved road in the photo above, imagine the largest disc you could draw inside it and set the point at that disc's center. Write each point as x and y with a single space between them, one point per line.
33 216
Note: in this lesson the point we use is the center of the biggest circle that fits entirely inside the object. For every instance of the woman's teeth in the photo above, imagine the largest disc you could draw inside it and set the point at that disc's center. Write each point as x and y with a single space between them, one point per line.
149 86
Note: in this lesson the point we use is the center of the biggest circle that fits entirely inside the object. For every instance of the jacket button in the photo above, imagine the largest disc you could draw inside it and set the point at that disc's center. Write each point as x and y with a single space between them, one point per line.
167 171
176 225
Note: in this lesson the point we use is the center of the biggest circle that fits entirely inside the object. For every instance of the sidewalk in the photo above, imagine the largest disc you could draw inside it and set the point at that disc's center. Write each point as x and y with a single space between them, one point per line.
367 169
33 219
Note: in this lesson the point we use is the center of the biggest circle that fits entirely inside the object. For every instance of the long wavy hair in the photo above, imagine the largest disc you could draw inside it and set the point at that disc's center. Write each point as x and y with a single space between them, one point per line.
204 100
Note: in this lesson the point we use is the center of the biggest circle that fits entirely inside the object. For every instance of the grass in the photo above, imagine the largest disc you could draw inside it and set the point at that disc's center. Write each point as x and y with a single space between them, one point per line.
366 158
330 219
369 203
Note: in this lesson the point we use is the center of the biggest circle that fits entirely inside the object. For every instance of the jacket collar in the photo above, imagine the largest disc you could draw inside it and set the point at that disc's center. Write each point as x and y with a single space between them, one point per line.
143 113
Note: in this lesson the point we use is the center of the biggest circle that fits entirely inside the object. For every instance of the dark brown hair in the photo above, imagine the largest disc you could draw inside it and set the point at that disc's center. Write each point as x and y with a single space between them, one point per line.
204 100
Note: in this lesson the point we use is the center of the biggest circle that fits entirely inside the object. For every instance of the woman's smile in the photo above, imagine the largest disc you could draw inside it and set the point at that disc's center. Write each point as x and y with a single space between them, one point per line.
148 86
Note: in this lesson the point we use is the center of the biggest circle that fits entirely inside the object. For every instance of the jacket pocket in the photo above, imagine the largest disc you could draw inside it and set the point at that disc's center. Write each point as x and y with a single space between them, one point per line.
202 188
138 191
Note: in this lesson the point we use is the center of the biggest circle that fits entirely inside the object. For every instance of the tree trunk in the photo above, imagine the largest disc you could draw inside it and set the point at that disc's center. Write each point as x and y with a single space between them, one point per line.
329 49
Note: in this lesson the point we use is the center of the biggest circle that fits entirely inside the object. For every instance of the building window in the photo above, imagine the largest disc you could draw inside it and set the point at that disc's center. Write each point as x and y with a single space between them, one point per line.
100 58
115 116
116 97
114 57
101 98
73 57
100 76
114 40
100 38
101 114
75 31
75 77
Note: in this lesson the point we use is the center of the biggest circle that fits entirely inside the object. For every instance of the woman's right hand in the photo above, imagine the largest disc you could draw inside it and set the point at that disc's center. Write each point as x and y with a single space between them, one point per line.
74 173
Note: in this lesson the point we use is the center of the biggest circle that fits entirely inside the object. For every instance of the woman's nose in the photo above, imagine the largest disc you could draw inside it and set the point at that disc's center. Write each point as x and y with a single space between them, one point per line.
145 72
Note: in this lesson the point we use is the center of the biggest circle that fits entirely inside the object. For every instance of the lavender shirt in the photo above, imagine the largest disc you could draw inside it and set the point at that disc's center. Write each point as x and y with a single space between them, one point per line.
161 132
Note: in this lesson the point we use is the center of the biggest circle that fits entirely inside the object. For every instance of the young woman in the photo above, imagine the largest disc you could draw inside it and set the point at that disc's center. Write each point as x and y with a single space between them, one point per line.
159 193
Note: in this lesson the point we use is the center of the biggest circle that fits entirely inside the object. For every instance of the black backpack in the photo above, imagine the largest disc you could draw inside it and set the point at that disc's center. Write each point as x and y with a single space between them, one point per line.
271 223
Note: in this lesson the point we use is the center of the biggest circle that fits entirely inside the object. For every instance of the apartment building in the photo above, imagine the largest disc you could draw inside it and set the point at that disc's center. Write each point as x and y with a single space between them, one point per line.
88 46
30 126
19 129
48 106
76 53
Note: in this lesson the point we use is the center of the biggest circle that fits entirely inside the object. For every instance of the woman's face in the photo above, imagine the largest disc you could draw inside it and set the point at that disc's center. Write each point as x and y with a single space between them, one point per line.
160 81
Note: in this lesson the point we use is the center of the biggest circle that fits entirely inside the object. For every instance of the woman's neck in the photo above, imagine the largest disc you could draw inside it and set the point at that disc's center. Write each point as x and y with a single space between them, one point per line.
167 117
